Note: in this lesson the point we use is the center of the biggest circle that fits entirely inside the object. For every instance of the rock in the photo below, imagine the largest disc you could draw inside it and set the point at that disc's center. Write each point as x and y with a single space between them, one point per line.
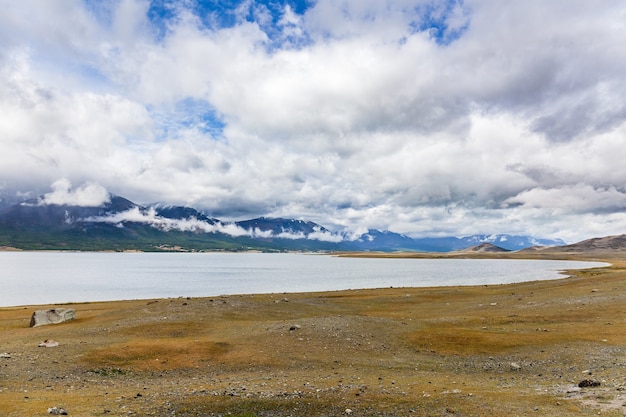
515 366
49 343
52 316
56 411
5 355
295 327
585 383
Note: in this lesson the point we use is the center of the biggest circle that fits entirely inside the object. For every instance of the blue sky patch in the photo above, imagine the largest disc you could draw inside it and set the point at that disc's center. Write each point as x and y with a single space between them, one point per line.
221 14
445 21
189 113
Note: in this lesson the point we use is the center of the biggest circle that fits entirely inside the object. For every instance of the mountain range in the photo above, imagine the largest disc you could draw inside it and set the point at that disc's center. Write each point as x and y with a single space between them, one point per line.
120 224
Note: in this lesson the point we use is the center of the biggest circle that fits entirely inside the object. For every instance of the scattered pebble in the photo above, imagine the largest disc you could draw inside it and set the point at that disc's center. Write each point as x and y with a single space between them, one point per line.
56 411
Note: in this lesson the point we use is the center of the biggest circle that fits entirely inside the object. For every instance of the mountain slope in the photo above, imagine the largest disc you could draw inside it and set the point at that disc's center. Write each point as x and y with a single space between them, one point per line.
120 224
285 227
378 240
32 213
181 213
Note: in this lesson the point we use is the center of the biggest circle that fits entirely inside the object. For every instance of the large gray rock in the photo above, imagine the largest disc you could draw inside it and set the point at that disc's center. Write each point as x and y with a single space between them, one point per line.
52 316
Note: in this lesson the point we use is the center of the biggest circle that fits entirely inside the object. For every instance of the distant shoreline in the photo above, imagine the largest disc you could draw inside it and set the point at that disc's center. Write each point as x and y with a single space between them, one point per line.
103 276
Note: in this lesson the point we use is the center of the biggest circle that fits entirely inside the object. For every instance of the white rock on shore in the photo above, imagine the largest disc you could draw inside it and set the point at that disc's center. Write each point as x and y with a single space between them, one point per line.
52 316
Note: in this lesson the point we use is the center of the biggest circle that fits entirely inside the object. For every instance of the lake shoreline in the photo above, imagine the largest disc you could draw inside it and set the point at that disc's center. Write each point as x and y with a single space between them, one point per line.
98 276
500 350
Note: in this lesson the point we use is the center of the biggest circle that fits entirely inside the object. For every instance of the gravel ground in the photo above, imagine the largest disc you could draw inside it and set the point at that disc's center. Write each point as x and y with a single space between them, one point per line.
507 350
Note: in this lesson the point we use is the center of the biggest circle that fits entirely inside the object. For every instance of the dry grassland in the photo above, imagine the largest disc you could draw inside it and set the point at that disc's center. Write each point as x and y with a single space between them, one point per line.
502 350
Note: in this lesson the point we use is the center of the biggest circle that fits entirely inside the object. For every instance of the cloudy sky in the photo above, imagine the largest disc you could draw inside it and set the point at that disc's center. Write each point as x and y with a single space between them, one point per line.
419 116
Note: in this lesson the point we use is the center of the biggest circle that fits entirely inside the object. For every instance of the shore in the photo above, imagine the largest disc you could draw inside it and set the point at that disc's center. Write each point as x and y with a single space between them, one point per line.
499 350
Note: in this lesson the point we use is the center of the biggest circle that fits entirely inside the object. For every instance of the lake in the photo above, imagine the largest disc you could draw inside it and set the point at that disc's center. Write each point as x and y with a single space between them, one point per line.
58 277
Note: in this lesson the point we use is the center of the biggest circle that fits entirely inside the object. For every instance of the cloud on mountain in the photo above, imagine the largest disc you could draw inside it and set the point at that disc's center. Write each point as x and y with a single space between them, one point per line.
149 216
418 116
87 195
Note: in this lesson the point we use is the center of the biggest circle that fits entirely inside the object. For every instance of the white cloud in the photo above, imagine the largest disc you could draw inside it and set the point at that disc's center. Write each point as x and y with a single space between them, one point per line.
86 195
579 198
192 224
361 118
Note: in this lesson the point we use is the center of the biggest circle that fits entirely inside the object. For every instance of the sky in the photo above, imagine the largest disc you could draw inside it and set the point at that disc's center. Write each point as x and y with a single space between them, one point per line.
424 117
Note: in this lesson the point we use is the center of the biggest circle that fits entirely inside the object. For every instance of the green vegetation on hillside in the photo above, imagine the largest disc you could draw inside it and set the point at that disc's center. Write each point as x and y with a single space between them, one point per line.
143 238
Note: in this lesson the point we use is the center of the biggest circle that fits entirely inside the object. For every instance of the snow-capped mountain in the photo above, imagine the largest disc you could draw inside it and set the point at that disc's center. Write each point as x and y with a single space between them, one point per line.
120 223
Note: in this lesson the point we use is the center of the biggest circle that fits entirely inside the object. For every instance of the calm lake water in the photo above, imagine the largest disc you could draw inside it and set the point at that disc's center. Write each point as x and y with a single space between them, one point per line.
58 277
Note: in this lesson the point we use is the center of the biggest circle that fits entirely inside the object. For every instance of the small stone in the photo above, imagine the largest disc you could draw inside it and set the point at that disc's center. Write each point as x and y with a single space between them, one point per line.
56 411
48 343
348 411
295 327
515 366
586 383
5 355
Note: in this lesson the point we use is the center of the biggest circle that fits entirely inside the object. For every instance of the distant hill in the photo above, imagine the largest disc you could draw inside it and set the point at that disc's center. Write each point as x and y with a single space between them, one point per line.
589 246
120 224
484 248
